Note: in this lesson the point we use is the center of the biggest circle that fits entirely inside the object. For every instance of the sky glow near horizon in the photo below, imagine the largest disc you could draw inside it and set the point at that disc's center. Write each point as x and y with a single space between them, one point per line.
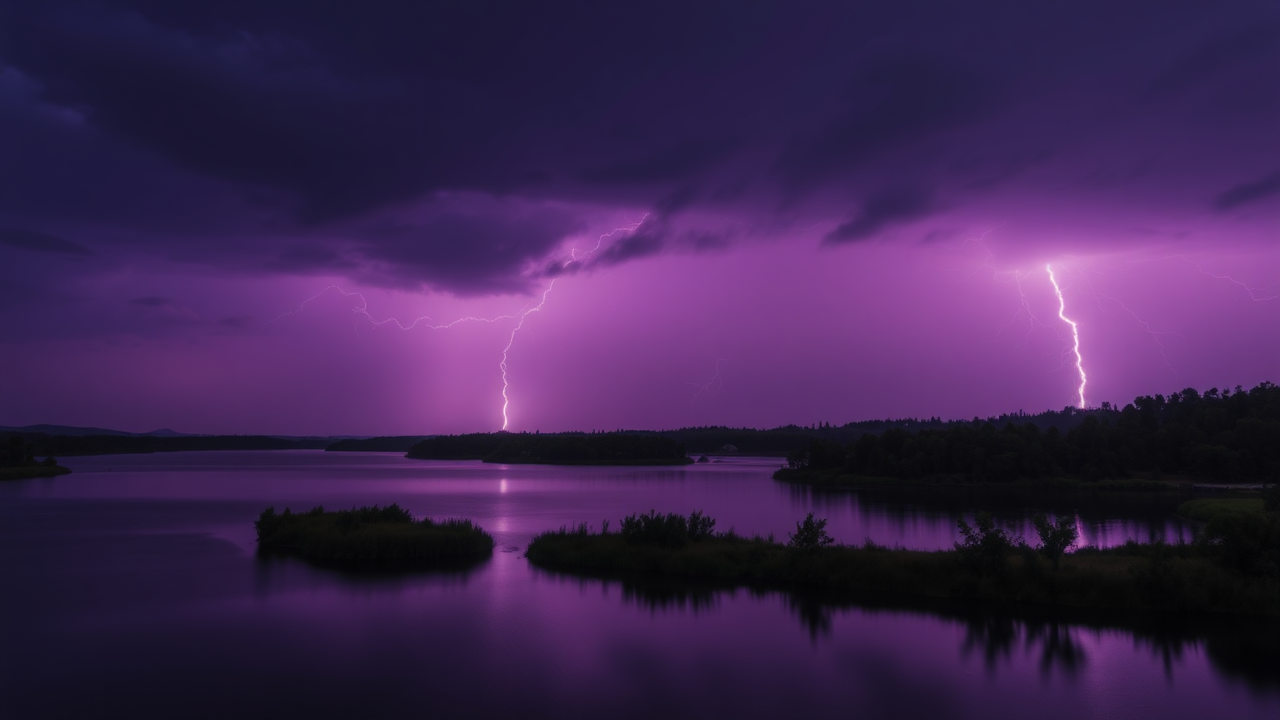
276 218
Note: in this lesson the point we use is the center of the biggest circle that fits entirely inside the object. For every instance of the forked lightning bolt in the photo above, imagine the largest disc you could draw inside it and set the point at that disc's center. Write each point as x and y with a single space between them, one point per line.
506 401
426 321
1075 333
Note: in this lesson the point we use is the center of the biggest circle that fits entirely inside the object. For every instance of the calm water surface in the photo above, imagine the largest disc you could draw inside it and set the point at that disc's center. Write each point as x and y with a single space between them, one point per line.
131 589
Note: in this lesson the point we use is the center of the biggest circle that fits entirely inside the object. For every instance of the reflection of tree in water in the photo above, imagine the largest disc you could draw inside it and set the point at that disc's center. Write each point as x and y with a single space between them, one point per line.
993 635
1169 647
814 614
996 635
1059 648
1247 650
1253 657
1105 518
664 596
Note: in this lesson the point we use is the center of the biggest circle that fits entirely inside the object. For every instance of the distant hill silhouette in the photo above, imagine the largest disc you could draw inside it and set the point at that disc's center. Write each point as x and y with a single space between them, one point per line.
73 431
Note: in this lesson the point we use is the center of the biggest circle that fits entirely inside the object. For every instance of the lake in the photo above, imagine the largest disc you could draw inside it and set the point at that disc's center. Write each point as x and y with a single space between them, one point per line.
131 588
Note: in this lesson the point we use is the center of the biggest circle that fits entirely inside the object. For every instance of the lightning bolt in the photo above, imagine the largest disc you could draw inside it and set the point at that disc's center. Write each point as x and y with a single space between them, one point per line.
1154 334
363 310
1025 307
526 312
1255 294
711 386
1075 333
427 322
1007 276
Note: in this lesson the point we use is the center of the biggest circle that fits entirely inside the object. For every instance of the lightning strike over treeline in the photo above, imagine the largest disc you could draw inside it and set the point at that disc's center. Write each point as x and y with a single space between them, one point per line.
425 321
1075 334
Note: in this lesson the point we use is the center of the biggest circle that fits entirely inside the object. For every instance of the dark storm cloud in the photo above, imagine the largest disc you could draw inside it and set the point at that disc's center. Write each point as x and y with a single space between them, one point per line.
304 259
470 246
883 209
318 138
256 110
1250 52
647 239
675 162
41 242
1249 192
889 101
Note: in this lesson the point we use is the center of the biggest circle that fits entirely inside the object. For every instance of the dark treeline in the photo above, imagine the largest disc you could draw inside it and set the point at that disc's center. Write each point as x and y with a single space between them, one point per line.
1221 436
65 445
391 443
473 446
554 449
789 438
18 460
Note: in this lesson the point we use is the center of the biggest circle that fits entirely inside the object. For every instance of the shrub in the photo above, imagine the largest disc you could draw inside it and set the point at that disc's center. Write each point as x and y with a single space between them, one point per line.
1055 537
984 546
700 526
670 530
810 535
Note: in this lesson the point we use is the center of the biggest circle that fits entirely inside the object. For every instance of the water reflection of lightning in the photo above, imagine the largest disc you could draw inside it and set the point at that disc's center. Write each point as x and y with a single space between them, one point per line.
1075 333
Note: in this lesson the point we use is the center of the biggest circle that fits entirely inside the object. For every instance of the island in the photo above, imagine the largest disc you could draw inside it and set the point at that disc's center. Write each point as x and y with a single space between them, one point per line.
1231 569
601 448
371 538
18 461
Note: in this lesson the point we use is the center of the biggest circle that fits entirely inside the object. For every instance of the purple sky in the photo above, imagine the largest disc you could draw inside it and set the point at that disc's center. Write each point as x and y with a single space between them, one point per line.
218 217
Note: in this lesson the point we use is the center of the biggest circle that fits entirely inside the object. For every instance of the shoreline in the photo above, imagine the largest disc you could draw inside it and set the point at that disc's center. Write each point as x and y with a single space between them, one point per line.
32 472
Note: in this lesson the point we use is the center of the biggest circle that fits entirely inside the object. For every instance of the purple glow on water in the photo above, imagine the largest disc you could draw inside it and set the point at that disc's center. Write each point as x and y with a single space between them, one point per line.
134 581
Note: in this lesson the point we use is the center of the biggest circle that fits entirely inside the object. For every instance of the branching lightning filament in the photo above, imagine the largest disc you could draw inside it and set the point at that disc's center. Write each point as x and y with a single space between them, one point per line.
1075 334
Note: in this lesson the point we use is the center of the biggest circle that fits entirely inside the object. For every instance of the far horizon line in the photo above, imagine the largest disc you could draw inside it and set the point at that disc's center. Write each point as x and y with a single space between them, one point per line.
1105 406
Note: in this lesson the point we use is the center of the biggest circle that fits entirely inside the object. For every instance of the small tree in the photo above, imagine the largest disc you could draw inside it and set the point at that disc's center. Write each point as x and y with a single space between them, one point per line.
1055 537
984 545
810 535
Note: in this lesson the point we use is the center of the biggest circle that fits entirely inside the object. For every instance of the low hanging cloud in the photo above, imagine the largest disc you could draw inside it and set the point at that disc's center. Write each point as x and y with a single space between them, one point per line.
1250 192
882 210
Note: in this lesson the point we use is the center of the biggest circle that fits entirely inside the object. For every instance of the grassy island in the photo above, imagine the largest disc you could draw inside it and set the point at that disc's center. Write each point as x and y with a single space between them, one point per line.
372 538
18 461
1232 569
554 449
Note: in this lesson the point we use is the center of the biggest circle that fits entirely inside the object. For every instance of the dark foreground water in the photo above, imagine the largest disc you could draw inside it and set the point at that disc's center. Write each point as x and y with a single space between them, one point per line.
131 589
